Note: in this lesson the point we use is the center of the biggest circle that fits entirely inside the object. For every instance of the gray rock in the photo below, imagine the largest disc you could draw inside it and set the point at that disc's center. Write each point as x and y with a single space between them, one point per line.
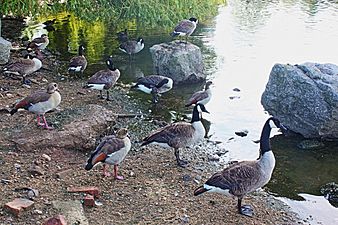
179 61
5 50
72 210
305 98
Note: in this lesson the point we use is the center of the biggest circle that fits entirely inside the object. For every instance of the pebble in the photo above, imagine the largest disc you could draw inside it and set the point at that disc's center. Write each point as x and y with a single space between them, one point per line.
47 157
242 133
187 178
26 86
38 212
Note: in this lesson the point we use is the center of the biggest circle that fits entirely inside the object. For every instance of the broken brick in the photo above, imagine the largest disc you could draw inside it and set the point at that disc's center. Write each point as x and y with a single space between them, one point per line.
88 190
89 200
56 220
18 205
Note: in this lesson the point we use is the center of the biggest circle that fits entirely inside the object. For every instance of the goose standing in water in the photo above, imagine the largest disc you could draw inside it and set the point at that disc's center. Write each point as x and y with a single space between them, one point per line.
154 85
185 28
112 150
104 79
201 97
23 67
40 102
179 135
241 178
132 47
78 63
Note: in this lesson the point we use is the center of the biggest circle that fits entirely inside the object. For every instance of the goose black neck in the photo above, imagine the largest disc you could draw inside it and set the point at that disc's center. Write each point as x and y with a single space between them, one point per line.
164 81
265 139
195 115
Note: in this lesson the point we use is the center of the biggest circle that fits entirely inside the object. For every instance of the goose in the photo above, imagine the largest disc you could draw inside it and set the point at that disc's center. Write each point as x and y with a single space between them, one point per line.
132 47
23 67
201 97
40 102
78 63
180 134
122 36
154 85
241 178
104 79
39 43
112 150
185 28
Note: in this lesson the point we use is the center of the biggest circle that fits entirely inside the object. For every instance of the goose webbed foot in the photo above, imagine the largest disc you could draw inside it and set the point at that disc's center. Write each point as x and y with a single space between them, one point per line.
100 95
246 210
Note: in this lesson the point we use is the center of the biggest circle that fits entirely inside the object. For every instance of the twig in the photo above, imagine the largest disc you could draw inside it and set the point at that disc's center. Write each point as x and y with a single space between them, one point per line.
128 115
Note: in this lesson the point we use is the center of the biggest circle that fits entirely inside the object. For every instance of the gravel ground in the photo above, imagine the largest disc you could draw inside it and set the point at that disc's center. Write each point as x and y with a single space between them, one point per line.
155 189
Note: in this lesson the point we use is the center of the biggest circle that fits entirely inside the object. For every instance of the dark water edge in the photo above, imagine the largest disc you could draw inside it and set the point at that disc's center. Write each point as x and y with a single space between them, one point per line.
300 170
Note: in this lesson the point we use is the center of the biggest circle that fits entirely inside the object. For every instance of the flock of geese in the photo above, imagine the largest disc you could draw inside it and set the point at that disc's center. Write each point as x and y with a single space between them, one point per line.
238 179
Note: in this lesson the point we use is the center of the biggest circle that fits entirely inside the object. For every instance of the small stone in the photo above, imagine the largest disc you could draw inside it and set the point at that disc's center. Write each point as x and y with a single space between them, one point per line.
234 97
47 157
132 174
9 95
18 205
38 212
213 158
185 218
236 89
26 86
44 80
63 174
57 220
242 133
36 170
186 178
32 193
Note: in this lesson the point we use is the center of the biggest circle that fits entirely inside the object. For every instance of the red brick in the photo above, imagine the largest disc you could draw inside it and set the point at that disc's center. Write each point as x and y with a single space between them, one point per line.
88 190
18 205
89 200
56 220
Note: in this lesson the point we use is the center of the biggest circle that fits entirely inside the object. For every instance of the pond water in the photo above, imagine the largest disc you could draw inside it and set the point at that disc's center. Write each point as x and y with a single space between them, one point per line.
240 46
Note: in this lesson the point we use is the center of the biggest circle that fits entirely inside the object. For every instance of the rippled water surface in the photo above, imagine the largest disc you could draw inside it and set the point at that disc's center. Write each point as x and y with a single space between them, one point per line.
240 46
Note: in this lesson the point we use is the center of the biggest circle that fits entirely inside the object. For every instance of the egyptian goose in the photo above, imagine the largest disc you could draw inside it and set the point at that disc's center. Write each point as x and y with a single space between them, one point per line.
154 85
78 63
104 79
201 97
185 28
39 43
40 102
132 47
241 178
112 150
179 135
23 67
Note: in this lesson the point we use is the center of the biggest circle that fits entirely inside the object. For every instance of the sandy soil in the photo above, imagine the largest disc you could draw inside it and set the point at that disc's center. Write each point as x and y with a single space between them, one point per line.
155 190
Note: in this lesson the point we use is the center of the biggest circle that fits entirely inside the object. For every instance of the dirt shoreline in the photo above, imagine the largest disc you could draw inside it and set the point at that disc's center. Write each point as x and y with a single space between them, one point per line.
155 190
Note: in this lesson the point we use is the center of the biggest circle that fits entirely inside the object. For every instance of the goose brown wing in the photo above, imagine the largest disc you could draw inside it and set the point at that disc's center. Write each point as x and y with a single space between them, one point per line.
239 178
107 77
78 61
172 134
184 26
111 145
197 96
36 97
150 81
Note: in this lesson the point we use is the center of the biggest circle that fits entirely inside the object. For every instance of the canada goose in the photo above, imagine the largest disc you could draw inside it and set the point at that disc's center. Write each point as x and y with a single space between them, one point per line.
78 63
104 79
154 85
132 47
40 102
185 28
39 43
112 150
23 67
201 97
241 178
180 134
122 36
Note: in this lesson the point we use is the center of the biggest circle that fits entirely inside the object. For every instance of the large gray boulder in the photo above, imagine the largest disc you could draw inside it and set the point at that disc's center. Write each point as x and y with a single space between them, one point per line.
178 60
305 98
5 50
